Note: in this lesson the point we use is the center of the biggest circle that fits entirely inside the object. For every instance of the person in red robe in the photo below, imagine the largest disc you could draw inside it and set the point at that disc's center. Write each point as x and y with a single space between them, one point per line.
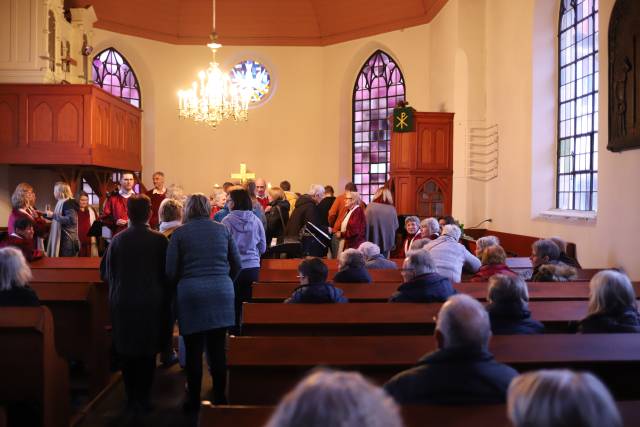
261 193
353 227
23 201
114 213
157 194
86 216
22 238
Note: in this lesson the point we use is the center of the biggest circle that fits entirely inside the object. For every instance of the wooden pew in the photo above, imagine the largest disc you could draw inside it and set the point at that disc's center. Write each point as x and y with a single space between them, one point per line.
292 264
263 369
380 318
380 292
413 416
291 275
31 368
80 315
69 269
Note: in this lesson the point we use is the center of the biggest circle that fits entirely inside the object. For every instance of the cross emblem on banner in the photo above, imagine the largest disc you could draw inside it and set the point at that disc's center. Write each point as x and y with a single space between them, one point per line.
243 176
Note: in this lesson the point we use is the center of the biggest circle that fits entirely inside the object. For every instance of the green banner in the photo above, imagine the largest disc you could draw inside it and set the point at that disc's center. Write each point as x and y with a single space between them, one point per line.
403 119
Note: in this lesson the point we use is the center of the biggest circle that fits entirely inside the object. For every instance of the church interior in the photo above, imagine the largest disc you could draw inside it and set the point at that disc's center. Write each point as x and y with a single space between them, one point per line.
91 89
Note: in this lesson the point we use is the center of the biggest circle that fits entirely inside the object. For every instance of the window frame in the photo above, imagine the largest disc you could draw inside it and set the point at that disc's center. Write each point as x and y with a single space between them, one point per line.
100 83
401 82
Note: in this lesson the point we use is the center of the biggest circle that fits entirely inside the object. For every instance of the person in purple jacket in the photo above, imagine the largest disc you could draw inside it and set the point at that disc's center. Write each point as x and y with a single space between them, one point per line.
248 233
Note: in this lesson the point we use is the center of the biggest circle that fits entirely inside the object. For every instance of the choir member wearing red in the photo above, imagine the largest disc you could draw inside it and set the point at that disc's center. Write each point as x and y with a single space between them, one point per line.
157 195
22 238
412 225
353 227
114 214
23 201
86 216
217 199
261 193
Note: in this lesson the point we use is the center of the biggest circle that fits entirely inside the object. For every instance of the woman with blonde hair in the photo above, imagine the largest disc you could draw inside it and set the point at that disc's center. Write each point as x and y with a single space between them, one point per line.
382 221
23 202
277 213
63 238
612 305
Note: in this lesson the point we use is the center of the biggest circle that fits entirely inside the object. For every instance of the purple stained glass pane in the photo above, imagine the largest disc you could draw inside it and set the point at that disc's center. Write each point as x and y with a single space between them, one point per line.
114 74
380 81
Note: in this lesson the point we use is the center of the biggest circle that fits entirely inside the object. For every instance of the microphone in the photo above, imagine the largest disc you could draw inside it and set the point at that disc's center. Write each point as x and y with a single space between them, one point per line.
480 223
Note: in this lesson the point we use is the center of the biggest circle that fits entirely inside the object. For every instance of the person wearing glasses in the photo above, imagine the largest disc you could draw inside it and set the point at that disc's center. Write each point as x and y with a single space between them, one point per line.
421 281
314 289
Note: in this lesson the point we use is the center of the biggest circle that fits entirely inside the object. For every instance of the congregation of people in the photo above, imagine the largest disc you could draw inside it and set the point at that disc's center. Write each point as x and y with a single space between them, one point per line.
192 259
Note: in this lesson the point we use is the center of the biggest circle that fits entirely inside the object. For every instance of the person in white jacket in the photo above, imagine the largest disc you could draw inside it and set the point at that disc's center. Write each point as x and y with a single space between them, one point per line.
451 256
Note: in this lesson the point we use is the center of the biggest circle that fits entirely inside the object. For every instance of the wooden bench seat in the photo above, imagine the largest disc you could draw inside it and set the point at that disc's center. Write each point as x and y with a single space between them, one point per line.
263 369
381 318
267 275
80 315
413 416
31 368
380 292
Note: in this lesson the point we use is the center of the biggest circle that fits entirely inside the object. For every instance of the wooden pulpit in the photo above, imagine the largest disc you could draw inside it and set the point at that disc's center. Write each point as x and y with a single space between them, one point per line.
422 166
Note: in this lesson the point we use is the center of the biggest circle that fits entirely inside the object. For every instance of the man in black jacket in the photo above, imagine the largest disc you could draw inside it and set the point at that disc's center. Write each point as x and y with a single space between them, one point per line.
312 237
139 300
461 371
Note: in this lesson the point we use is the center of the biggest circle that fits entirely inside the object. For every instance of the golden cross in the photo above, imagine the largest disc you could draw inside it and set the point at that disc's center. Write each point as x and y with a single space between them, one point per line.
243 175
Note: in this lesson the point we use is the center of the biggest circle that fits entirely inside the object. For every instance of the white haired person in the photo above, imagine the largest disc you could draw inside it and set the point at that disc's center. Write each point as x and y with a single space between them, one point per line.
451 256
15 275
462 371
63 237
421 282
382 221
373 259
351 268
547 267
561 398
352 229
412 227
485 242
330 398
612 305
218 200
429 229
508 309
298 228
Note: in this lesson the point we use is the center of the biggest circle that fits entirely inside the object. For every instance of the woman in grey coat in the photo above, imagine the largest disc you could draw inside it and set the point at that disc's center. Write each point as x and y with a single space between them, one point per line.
382 221
203 260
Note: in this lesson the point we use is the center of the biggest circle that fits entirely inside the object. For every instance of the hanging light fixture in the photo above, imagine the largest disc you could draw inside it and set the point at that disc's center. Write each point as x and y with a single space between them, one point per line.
215 97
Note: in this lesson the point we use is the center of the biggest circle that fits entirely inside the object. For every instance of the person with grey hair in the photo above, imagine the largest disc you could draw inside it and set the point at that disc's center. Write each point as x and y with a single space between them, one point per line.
374 260
421 282
547 267
612 305
170 216
564 257
314 240
412 228
332 398
203 260
351 268
508 310
452 257
429 229
462 371
382 221
15 275
484 242
561 398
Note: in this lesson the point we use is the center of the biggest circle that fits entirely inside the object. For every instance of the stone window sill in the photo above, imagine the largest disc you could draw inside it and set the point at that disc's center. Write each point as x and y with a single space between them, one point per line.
570 216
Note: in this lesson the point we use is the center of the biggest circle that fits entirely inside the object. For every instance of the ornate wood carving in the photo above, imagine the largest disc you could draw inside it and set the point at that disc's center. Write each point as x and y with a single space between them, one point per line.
422 157
624 76
68 125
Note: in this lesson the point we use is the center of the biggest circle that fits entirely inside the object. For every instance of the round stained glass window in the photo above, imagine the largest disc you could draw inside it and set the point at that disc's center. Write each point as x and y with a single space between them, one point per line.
254 75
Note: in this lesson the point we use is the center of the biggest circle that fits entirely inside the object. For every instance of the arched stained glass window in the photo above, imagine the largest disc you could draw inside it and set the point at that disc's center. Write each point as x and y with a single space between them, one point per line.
112 72
577 168
379 86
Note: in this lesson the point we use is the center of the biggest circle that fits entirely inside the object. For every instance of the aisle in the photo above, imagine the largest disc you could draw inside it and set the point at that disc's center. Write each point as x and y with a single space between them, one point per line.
168 395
